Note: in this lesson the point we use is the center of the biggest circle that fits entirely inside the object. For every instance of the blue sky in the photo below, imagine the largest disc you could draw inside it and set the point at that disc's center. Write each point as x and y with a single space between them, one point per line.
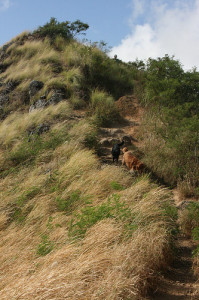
108 19
133 28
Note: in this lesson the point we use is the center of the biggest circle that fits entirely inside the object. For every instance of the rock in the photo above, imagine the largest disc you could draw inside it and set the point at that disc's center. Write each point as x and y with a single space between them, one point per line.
34 87
4 99
3 50
2 68
38 104
108 142
127 139
10 86
56 97
41 128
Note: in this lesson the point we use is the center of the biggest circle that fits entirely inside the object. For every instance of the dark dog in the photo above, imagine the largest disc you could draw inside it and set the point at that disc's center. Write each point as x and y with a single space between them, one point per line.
116 151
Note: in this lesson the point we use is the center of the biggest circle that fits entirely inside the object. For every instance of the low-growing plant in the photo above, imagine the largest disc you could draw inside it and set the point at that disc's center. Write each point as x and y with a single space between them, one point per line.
70 203
171 213
189 218
28 195
77 103
46 246
56 83
117 186
17 213
28 150
90 215
54 63
195 234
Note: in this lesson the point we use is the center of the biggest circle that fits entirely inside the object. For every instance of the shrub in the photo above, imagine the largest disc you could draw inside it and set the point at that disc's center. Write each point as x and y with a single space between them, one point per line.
66 30
91 140
171 124
105 73
103 108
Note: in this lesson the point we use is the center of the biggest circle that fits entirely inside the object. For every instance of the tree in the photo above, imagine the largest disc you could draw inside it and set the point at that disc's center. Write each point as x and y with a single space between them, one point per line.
66 29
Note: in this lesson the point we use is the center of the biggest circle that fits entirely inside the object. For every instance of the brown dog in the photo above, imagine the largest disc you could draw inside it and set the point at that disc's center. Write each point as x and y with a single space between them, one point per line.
131 161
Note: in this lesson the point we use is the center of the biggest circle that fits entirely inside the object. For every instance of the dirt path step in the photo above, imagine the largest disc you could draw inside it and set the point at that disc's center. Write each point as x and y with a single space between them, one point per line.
178 281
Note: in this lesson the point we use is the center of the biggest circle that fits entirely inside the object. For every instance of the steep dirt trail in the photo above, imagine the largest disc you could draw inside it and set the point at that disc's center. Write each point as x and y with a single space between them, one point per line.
127 130
178 281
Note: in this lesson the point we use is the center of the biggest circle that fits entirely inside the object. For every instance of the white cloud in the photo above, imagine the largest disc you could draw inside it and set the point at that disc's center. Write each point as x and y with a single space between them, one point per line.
137 7
163 29
4 4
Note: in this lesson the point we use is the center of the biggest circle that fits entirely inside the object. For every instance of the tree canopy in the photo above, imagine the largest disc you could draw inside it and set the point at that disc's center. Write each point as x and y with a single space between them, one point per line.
67 30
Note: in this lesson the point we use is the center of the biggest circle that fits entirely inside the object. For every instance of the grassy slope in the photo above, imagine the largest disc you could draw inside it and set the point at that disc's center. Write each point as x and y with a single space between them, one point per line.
71 228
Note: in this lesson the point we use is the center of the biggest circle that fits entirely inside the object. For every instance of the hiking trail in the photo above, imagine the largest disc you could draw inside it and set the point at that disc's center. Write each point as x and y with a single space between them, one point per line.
177 282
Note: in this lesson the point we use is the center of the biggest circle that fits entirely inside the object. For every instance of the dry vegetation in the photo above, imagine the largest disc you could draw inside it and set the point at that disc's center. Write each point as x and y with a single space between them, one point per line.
71 228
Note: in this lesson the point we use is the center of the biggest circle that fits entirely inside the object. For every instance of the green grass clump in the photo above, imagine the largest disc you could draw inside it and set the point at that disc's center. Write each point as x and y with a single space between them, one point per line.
46 246
189 218
90 215
30 148
117 186
70 203
18 213
28 195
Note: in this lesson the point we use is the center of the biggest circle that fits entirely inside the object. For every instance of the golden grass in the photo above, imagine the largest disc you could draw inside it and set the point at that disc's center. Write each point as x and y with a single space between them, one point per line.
20 36
104 266
107 263
16 124
31 61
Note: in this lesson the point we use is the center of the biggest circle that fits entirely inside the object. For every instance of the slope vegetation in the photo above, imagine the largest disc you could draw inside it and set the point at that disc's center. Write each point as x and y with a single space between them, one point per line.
72 227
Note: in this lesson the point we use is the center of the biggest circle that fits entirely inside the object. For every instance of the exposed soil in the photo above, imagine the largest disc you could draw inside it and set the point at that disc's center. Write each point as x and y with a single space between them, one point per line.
178 281
127 129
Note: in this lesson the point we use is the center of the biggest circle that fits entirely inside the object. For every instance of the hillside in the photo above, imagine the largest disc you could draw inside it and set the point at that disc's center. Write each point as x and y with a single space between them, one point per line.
74 225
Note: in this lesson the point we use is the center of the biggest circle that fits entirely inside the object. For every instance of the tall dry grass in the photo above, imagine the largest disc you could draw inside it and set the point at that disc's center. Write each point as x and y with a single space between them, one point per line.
16 124
103 266
118 258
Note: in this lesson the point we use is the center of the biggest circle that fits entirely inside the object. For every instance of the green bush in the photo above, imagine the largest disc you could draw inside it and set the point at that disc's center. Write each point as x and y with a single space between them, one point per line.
113 76
66 30
103 108
170 126
91 140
